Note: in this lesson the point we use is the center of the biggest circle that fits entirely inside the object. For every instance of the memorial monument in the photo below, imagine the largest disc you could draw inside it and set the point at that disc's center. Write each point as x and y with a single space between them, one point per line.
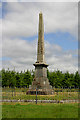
40 82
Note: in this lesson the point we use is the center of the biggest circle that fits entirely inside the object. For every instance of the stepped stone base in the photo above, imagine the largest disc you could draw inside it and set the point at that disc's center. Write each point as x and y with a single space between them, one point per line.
42 86
40 92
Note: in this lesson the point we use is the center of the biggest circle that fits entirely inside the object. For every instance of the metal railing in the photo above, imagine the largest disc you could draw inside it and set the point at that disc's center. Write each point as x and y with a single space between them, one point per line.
63 94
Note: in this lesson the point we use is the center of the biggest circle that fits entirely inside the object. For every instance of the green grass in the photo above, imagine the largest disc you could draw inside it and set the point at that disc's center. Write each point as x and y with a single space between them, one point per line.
41 110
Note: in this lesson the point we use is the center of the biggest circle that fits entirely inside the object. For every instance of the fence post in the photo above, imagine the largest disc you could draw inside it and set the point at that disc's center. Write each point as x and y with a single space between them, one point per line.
74 91
12 92
58 93
54 89
78 94
20 93
62 92
68 94
36 95
5 91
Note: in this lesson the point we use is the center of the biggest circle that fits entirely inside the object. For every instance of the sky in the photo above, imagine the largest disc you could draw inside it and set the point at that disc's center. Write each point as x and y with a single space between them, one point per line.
20 35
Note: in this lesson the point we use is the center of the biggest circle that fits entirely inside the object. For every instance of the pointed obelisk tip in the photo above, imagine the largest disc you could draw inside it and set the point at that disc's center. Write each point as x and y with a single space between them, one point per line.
40 13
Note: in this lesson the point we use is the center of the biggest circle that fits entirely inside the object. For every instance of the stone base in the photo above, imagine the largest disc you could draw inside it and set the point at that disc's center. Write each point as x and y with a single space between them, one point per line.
42 85
40 92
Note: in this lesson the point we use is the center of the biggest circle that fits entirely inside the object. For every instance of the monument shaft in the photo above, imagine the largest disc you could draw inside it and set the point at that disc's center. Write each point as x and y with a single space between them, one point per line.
40 81
40 50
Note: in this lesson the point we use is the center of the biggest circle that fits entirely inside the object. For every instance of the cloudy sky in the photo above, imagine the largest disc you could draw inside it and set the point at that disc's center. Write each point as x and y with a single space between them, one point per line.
20 35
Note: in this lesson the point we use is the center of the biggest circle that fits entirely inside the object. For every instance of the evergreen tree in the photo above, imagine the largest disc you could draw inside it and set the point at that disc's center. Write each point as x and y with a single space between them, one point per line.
76 79
24 79
17 76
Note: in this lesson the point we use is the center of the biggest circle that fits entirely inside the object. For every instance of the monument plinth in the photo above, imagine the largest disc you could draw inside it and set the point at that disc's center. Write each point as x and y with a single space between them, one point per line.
40 81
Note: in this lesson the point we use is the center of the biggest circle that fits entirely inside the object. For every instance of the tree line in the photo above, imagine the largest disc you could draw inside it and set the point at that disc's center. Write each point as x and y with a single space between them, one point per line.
24 79
59 79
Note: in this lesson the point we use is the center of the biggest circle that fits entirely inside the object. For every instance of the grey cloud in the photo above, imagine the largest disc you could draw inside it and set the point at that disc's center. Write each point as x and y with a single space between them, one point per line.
23 55
22 21
22 18
40 0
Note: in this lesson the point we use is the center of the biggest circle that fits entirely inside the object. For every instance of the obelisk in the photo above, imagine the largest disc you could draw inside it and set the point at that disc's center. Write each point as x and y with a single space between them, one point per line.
40 81
40 51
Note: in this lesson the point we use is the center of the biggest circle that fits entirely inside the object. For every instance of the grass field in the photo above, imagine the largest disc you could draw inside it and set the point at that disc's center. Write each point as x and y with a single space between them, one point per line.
41 110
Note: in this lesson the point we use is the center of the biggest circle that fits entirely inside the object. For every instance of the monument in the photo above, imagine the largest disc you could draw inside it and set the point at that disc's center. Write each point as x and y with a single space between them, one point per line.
40 81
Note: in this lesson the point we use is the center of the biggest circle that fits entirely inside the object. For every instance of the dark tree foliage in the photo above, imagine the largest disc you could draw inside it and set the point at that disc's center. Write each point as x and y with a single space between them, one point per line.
24 79
59 79
16 79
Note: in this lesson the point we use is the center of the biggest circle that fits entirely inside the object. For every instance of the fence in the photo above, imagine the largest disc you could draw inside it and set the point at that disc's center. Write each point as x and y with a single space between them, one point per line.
65 94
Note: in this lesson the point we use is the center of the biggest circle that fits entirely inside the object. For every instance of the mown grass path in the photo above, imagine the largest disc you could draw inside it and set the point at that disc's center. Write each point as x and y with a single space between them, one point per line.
41 110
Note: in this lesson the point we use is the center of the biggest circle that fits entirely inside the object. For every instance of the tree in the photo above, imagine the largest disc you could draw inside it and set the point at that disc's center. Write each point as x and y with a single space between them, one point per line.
13 79
4 78
76 79
24 79
17 76
65 81
27 78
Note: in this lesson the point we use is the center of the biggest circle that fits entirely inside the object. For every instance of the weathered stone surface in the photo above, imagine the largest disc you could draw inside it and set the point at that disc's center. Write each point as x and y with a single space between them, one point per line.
40 81
40 50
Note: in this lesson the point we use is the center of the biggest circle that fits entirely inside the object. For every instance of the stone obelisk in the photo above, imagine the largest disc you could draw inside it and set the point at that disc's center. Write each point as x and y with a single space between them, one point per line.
40 81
